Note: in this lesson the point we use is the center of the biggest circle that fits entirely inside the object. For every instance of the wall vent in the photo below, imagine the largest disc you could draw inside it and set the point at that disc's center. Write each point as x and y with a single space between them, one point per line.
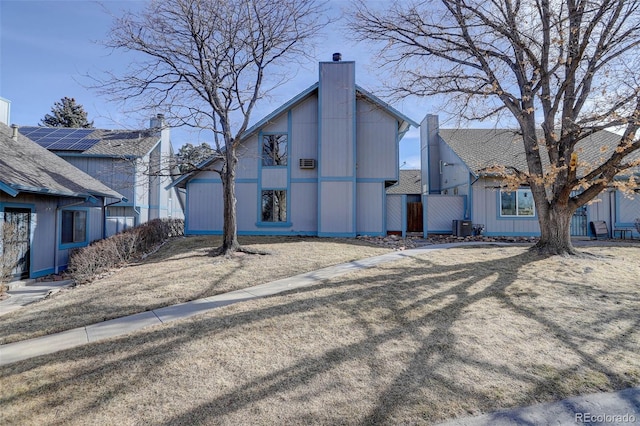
307 163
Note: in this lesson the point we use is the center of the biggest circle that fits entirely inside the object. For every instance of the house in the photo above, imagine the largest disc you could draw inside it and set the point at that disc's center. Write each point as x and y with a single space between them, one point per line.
458 187
133 162
54 206
318 165
404 204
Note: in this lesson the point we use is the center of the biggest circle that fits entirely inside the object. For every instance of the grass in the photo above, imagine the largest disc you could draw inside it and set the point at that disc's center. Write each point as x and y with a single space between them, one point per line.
178 272
435 336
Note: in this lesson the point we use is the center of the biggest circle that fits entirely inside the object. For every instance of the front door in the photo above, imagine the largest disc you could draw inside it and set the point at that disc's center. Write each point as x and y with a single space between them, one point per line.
414 217
18 242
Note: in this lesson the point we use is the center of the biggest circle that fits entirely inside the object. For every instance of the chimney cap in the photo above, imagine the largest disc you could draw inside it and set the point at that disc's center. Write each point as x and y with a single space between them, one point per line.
337 57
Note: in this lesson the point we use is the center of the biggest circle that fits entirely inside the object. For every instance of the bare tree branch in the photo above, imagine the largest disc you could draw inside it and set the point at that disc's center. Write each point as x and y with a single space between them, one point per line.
568 67
205 63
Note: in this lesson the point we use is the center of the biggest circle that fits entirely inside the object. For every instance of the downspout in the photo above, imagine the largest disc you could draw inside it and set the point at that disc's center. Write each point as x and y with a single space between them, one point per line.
104 215
612 208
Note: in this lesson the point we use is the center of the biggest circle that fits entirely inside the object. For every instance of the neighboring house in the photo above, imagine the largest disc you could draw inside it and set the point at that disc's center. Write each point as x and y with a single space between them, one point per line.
457 185
54 206
318 165
404 204
132 162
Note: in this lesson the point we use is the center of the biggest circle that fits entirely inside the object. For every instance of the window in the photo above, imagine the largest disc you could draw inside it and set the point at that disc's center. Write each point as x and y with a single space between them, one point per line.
274 206
517 203
74 226
274 150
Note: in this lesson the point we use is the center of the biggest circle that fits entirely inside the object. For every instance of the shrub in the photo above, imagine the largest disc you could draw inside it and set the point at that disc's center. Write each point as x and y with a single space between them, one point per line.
100 256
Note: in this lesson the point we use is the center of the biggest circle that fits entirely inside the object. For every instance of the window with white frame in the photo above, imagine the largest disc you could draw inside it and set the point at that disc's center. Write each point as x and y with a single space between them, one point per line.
274 150
517 203
74 226
274 205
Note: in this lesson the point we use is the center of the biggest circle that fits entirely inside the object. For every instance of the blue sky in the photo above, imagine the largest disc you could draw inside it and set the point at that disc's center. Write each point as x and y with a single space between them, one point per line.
49 47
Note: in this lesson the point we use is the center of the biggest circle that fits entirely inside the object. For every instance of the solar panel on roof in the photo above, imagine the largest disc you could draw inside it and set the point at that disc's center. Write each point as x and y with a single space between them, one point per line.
72 139
48 139
34 132
83 146
63 145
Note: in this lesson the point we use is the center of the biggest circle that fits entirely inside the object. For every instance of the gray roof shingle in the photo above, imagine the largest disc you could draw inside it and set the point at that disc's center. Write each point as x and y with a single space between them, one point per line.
482 148
409 183
123 143
27 167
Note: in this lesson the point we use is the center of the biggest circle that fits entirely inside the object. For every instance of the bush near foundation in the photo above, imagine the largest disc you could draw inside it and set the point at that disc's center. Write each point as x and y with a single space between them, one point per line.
100 256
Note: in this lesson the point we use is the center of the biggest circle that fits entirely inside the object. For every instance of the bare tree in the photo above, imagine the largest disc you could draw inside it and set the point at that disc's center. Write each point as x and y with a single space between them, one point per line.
204 61
567 67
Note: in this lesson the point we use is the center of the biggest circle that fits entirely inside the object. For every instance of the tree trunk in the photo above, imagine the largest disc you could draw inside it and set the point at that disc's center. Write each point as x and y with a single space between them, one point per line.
230 242
555 231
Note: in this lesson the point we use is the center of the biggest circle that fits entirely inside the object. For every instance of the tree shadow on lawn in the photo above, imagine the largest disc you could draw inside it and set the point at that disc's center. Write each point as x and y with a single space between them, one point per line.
43 317
37 319
425 314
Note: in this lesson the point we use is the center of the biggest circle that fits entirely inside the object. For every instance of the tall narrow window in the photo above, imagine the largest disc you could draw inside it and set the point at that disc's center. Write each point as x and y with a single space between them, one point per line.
274 150
517 203
274 206
74 226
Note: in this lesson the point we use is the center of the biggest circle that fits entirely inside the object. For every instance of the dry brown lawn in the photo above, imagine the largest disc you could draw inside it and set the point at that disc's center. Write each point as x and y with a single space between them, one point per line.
178 272
435 336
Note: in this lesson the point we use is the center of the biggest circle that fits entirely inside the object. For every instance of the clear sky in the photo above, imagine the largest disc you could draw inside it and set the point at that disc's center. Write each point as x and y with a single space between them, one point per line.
49 47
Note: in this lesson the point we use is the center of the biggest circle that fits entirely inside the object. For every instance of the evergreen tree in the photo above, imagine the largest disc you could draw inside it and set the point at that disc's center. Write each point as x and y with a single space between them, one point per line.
66 113
189 156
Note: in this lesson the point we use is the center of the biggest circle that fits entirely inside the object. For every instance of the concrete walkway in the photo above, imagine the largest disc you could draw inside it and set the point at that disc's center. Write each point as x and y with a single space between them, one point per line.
617 408
25 294
22 293
614 408
13 352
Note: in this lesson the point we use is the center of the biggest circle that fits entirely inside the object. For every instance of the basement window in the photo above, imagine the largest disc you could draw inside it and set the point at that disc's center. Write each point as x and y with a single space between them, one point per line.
517 203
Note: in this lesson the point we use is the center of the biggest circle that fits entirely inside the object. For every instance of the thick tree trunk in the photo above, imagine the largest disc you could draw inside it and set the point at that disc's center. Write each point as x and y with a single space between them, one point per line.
230 242
555 231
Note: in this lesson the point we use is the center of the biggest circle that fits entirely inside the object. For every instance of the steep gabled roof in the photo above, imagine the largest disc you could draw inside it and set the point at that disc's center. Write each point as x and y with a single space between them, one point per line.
408 183
25 166
483 148
405 122
94 142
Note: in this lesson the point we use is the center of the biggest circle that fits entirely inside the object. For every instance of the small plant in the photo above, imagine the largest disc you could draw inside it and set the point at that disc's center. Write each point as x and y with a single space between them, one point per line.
87 262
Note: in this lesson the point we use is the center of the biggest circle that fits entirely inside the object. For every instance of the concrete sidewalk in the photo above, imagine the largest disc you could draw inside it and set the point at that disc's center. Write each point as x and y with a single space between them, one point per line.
22 293
13 352
613 408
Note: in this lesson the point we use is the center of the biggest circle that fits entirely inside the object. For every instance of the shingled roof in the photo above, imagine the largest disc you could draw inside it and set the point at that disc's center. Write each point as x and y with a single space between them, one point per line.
483 148
94 142
408 183
120 143
27 167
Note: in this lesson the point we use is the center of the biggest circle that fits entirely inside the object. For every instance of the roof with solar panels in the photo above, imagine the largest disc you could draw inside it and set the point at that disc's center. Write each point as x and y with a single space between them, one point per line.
94 142
27 167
